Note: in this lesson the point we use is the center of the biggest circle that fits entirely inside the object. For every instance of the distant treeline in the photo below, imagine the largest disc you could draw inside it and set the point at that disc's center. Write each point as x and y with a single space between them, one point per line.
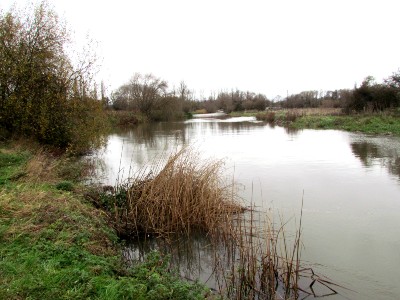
369 96
234 100
150 96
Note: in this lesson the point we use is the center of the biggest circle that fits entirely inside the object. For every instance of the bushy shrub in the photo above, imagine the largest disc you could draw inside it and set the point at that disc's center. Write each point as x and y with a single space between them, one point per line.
42 94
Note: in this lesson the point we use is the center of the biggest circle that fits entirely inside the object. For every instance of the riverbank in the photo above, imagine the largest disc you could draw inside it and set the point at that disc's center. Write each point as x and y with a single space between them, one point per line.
54 244
374 123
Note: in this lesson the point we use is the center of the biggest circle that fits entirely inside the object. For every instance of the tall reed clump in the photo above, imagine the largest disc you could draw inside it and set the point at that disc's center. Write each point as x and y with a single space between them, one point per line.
184 195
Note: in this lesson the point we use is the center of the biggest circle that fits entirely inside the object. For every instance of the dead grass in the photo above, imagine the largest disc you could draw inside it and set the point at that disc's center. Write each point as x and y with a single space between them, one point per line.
42 167
320 111
258 261
182 196
32 204
35 211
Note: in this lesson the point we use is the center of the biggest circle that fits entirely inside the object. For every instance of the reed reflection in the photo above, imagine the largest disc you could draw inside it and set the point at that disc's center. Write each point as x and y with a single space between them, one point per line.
193 257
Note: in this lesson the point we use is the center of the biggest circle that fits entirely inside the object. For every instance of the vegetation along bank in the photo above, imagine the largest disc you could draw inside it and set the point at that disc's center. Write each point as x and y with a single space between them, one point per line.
56 245
387 122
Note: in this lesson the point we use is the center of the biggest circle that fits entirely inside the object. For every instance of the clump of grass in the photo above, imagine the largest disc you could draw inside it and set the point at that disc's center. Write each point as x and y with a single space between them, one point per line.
182 196
65 186
268 117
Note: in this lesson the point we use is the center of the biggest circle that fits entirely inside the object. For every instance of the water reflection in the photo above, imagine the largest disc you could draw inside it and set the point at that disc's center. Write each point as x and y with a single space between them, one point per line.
373 152
149 134
158 134
193 257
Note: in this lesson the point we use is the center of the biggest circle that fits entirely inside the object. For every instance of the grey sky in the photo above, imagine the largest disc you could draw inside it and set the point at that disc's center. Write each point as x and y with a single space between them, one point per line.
269 47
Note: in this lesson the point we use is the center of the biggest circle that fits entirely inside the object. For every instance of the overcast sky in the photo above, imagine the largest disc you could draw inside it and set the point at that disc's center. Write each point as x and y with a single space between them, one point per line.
270 47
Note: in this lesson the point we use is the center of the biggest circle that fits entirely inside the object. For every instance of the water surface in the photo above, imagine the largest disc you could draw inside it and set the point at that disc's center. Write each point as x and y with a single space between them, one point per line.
350 183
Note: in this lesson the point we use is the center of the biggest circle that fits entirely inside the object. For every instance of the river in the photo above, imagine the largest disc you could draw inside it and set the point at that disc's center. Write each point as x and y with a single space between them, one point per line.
349 182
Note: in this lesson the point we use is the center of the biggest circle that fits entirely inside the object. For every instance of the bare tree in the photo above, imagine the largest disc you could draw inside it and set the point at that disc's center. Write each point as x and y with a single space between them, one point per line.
183 92
145 91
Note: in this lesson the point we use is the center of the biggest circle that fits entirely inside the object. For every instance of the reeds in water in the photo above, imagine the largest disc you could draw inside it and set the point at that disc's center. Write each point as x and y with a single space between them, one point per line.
259 261
184 195
253 257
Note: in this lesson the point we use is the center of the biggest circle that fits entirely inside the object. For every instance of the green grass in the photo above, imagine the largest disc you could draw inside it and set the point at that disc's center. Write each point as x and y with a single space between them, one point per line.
54 245
250 113
65 186
11 165
387 122
378 124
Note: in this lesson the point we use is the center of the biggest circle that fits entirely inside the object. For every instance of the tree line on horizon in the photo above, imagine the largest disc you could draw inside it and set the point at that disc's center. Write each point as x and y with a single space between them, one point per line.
370 96
149 95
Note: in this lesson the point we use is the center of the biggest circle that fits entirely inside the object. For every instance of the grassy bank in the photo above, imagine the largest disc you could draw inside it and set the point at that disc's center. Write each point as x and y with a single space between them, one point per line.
55 245
374 123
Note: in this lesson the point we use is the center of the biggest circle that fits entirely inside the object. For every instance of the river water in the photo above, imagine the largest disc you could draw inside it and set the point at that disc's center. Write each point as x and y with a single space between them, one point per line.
349 183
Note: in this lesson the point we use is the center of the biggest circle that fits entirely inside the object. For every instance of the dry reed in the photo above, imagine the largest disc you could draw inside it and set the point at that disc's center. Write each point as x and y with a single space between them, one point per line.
259 261
183 196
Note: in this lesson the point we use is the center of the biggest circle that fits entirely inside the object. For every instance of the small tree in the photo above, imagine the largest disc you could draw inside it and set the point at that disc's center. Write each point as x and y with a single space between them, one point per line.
393 83
42 94
146 91
148 95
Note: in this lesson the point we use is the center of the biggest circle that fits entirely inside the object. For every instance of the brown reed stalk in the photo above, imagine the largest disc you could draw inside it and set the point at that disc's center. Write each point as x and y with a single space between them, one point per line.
261 261
182 196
